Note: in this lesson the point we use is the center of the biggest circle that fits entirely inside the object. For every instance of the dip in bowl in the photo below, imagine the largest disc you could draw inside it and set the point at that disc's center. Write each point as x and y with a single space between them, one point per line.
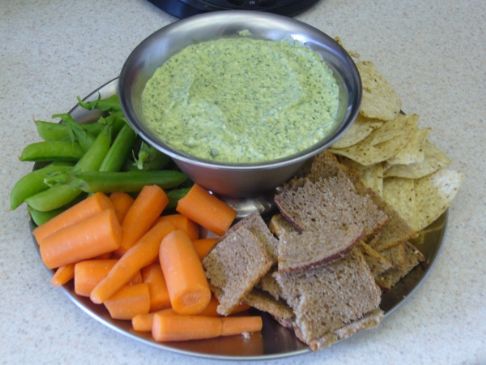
240 100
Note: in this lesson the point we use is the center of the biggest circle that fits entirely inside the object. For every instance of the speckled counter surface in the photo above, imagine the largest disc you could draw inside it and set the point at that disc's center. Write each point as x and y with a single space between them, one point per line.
432 51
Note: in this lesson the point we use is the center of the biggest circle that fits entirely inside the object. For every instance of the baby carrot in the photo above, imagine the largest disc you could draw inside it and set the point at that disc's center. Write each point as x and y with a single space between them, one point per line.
203 246
129 301
159 296
87 274
184 328
206 210
142 214
142 254
210 310
184 275
184 224
121 202
143 322
96 203
88 238
63 275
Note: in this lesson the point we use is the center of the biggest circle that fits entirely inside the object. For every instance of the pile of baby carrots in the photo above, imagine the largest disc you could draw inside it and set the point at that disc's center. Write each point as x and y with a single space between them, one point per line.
144 266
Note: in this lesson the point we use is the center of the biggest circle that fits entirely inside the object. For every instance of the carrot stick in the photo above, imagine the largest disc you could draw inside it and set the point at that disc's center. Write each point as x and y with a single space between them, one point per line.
184 224
63 275
142 214
96 203
184 328
143 322
86 239
129 301
159 296
87 274
238 325
203 246
184 275
210 310
142 254
121 203
206 210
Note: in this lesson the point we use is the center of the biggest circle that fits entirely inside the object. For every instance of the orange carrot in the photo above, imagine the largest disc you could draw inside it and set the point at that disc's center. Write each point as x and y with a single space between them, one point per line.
203 246
142 214
96 203
210 310
142 254
238 325
121 203
184 328
206 210
184 275
105 256
143 322
87 274
86 239
63 275
129 301
159 296
184 224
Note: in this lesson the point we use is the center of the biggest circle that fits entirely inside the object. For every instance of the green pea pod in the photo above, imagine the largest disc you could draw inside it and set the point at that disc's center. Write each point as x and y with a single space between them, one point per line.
127 181
81 136
33 183
111 103
52 151
119 150
59 195
150 159
174 196
50 131
43 217
53 198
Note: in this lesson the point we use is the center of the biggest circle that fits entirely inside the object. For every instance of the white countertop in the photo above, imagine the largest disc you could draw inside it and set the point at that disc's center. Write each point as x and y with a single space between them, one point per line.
433 52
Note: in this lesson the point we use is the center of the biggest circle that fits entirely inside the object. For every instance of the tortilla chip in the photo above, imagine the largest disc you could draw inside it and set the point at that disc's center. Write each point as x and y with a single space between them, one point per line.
383 143
434 160
371 176
400 195
413 152
379 100
358 131
433 195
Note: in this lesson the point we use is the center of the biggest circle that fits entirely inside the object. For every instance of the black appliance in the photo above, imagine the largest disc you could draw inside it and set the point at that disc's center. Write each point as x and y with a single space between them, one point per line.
185 8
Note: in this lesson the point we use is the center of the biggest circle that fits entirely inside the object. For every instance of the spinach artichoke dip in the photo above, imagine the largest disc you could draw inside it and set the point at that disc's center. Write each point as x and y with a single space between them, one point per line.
242 100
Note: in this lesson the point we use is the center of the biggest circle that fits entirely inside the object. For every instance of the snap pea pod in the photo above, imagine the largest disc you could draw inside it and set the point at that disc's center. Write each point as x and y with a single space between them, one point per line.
150 159
42 217
174 196
59 195
33 183
111 103
52 151
84 139
50 131
126 181
119 150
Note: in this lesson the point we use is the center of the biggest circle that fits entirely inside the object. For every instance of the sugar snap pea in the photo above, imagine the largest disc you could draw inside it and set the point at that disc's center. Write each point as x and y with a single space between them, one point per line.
50 131
127 181
52 151
111 103
81 136
42 217
175 195
59 195
119 150
150 159
33 183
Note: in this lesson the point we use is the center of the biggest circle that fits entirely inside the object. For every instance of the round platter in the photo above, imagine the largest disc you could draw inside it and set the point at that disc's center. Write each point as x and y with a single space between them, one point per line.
274 341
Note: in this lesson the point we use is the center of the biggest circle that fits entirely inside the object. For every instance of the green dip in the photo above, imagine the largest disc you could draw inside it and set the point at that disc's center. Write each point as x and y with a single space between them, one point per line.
242 100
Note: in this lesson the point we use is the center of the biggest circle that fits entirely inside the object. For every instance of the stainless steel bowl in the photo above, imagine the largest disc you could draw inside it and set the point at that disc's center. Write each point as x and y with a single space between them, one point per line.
235 180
